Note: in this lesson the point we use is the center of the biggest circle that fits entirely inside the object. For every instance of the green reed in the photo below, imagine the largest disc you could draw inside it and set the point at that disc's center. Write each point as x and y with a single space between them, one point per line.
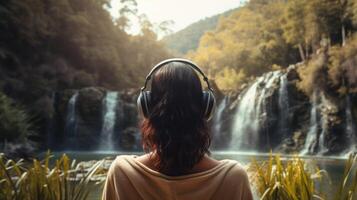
293 179
65 180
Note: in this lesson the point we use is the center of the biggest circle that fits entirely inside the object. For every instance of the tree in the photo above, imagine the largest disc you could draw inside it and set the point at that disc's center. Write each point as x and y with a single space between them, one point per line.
14 122
248 42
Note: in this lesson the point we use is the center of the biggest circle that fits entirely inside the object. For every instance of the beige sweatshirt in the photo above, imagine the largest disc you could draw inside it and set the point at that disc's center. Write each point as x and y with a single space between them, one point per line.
128 179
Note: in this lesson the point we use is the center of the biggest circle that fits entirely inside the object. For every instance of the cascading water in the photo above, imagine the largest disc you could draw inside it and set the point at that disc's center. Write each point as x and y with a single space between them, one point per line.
315 138
268 82
109 118
245 135
310 141
350 126
217 121
245 120
323 123
283 106
71 121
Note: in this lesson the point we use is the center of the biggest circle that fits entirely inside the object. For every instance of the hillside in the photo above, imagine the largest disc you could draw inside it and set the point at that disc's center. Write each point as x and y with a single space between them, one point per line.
267 35
188 38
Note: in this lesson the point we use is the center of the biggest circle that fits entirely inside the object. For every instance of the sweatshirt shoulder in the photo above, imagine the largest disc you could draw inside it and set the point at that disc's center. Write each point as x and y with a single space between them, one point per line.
120 162
237 170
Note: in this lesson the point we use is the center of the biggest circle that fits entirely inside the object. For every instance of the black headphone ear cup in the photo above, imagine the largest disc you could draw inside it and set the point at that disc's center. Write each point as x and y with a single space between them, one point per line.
209 104
143 103
139 104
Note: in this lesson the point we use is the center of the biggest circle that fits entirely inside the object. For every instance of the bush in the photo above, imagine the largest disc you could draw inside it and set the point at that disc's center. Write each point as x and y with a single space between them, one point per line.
14 121
229 79
313 74
342 66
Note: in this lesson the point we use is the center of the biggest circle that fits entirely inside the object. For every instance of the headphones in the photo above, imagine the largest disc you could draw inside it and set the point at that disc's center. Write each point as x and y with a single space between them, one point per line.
144 99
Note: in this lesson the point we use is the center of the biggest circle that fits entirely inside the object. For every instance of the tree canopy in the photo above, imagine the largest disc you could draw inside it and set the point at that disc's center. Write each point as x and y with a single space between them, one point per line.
54 45
266 33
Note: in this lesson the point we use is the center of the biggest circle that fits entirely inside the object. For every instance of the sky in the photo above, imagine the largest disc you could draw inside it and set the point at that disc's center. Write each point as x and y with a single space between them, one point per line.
182 12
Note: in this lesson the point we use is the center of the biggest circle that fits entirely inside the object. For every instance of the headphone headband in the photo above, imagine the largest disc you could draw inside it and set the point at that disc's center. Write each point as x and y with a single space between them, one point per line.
181 60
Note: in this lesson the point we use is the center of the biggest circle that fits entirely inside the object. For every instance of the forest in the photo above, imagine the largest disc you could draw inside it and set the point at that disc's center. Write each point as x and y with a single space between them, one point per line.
189 37
272 34
48 46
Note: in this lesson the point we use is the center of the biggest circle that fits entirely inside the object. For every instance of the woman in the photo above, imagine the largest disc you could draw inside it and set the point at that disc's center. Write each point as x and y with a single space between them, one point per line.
176 138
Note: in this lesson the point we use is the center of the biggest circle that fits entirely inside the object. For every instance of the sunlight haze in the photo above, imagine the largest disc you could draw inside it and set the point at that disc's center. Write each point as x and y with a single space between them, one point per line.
183 12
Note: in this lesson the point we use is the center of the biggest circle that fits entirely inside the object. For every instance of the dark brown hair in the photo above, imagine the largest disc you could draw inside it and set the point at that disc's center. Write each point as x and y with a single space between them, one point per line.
176 129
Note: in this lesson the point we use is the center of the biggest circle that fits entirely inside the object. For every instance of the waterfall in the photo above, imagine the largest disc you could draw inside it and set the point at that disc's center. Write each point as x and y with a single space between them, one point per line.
246 126
109 117
350 126
245 113
283 106
323 123
268 81
217 121
310 140
315 138
71 121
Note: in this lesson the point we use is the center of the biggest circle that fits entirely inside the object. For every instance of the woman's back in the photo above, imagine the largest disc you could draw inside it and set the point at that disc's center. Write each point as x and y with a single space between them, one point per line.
129 179
176 135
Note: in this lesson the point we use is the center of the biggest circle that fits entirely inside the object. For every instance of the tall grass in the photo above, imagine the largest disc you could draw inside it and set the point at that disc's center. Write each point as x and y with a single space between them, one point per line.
347 189
64 181
276 179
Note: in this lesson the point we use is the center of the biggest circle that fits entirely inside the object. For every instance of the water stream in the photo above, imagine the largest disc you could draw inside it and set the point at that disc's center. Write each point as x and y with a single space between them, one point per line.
284 106
217 121
71 119
350 126
246 124
109 118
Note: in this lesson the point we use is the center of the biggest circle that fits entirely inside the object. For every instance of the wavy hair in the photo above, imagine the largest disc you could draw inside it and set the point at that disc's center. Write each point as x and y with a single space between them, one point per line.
176 129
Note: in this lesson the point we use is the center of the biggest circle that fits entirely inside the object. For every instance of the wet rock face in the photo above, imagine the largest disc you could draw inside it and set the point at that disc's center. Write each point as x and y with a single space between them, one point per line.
130 139
283 118
89 104
88 120
89 117
221 133
283 123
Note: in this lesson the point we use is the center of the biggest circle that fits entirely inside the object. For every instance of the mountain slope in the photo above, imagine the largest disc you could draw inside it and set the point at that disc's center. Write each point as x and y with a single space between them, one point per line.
188 38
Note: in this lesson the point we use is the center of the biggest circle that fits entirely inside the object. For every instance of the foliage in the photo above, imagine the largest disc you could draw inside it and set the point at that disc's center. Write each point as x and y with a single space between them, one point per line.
188 38
276 32
48 46
14 121
342 65
294 180
334 70
289 180
232 45
347 189
352 9
65 180
55 45
313 74
228 78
